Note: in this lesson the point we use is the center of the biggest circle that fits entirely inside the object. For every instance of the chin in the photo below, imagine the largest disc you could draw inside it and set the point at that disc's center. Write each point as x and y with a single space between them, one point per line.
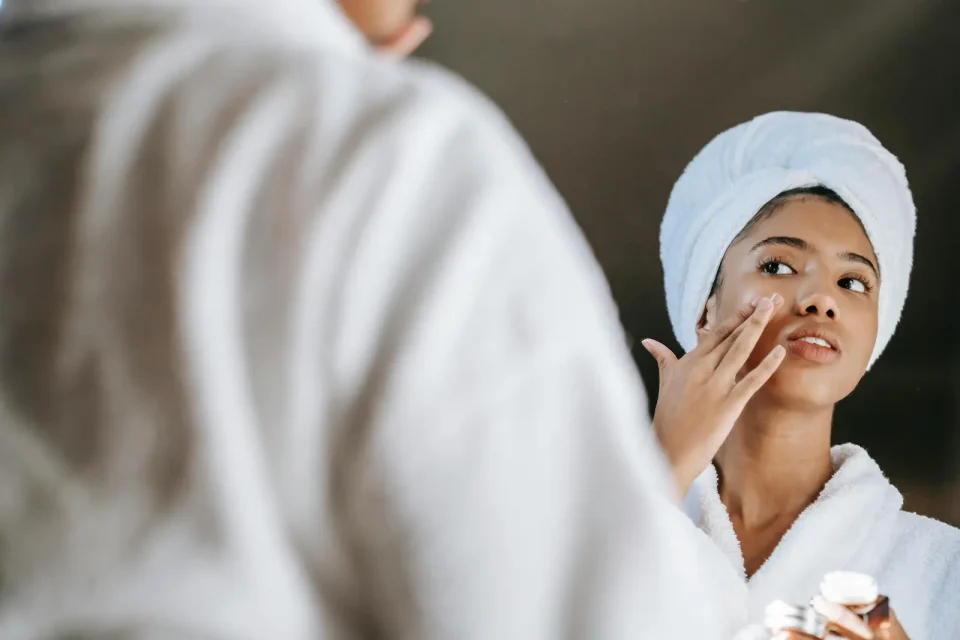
807 388
379 20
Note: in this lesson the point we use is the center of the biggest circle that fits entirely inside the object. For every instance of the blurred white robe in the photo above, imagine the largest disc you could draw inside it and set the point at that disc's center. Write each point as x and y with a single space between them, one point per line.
298 343
856 524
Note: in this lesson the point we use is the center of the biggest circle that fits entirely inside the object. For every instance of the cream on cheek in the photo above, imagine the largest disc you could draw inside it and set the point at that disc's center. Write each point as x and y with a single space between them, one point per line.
733 299
741 296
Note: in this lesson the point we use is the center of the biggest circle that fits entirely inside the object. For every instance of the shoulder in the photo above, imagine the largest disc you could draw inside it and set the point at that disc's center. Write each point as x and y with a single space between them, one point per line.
407 156
459 165
372 123
915 528
340 93
922 572
417 163
418 121
943 570
932 548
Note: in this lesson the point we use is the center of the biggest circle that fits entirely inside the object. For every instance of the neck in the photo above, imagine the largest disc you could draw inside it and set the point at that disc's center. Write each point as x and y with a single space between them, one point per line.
775 462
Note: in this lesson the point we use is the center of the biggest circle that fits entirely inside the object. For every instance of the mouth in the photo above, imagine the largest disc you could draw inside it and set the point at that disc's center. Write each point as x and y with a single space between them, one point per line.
814 345
820 342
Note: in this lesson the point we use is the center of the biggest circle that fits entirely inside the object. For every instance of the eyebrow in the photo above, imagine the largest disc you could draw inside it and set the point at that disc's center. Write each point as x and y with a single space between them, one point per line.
803 245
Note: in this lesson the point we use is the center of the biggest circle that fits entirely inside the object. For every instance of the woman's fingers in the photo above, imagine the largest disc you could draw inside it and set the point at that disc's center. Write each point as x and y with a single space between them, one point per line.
710 340
752 382
721 350
661 353
740 345
842 617
892 630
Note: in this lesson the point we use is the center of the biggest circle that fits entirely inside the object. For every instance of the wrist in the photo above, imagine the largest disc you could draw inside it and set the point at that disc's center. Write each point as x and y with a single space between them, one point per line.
679 467
683 474
683 480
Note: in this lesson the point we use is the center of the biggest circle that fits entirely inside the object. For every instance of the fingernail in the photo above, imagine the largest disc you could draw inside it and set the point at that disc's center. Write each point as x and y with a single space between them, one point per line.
645 342
779 350
776 298
764 304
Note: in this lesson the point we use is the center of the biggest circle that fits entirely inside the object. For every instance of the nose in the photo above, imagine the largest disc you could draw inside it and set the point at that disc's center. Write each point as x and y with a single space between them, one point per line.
818 303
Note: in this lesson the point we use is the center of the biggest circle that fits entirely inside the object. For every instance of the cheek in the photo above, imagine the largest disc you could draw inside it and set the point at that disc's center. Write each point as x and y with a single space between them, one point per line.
862 326
732 300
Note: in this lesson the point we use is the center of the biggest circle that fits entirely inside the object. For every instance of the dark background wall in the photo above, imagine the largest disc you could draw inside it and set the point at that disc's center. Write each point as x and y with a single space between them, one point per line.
615 96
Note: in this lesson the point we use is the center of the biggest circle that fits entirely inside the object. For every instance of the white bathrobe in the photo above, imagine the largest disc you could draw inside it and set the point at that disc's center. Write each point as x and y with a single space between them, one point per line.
296 343
856 524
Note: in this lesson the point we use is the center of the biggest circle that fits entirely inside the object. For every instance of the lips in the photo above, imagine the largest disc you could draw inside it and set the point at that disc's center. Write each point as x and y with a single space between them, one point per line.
814 344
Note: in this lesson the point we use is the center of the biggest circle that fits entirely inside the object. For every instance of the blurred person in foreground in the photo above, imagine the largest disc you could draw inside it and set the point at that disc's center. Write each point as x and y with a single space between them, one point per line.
297 341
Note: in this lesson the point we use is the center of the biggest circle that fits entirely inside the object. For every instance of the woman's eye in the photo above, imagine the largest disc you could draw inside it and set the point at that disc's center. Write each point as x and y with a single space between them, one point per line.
853 284
777 269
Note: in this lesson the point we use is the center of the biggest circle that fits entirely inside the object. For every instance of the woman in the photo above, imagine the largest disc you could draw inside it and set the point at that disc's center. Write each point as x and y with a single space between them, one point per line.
787 247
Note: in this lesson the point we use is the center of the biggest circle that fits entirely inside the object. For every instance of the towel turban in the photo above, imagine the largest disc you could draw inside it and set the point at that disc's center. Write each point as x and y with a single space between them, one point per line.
742 169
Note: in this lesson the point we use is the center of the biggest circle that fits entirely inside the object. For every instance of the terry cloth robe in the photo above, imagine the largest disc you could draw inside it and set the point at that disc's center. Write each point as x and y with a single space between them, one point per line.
856 524
297 343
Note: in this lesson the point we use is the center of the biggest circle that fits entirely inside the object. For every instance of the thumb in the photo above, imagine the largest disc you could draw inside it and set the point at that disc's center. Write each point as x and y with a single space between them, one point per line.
842 617
661 353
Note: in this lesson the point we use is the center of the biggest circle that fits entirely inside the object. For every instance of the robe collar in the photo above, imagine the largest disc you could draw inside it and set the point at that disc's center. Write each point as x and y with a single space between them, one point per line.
850 526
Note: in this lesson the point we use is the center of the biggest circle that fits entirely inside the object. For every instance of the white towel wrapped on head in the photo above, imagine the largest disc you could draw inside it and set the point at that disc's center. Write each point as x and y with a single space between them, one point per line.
742 169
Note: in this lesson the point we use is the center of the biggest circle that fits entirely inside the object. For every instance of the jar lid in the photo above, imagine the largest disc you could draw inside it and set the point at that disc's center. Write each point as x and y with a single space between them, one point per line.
849 588
780 616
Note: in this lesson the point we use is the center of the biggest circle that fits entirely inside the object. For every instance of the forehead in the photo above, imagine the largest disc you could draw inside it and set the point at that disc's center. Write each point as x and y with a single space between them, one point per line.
826 226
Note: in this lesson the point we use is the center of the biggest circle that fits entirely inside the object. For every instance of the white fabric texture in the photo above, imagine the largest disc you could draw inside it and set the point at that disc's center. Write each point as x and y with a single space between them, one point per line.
856 524
297 343
745 167
310 24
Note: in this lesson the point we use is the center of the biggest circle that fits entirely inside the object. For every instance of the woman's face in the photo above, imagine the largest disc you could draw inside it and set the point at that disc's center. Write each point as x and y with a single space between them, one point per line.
816 255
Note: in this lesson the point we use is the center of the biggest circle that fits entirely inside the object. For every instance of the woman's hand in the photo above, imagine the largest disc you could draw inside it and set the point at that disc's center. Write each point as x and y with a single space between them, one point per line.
855 628
700 395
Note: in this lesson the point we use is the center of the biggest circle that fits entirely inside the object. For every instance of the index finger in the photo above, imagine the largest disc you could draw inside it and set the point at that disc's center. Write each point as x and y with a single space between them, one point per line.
711 339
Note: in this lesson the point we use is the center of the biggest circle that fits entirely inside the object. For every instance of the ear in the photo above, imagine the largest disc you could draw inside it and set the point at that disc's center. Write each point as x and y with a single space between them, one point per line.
708 319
